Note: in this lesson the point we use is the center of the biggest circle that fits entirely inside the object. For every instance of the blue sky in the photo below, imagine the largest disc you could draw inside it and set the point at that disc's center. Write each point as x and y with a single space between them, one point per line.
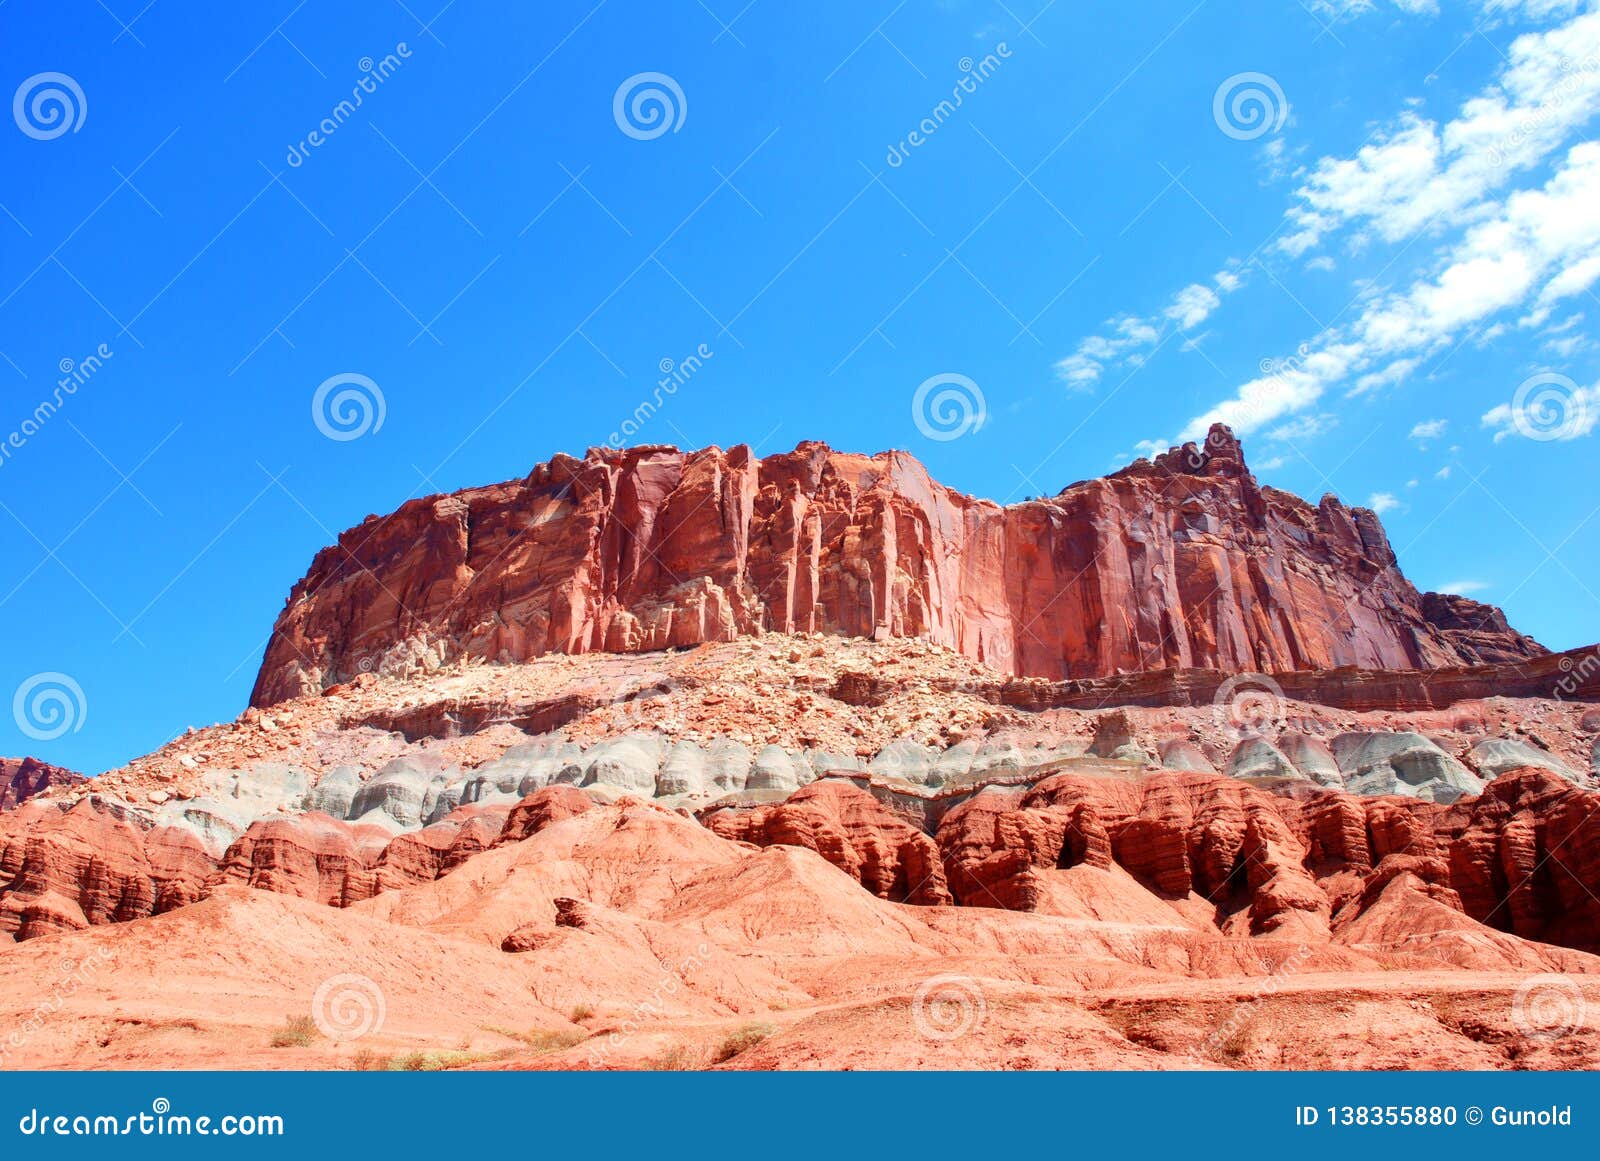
1354 230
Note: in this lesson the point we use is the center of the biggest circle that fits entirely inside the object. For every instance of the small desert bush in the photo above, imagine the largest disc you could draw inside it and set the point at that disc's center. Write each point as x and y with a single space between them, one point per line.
580 1013
543 1039
433 1061
680 1058
297 1032
742 1040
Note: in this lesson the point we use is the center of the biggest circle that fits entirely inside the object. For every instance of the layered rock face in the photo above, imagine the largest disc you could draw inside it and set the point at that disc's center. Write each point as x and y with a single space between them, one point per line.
1184 562
847 826
1516 858
22 778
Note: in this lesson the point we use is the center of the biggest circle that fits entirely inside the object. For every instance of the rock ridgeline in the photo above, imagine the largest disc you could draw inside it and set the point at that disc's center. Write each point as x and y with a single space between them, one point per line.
22 778
1184 562
1258 863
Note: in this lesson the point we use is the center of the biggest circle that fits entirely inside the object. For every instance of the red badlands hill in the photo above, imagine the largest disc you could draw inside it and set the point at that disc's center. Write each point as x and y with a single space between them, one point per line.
1037 837
22 778
1184 562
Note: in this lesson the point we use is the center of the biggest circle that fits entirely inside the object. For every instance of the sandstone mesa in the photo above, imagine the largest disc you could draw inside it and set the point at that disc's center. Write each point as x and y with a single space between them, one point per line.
812 734
1183 562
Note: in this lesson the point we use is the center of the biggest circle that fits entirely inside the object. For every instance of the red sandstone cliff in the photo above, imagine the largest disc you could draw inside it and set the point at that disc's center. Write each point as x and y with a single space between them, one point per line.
1181 562
22 778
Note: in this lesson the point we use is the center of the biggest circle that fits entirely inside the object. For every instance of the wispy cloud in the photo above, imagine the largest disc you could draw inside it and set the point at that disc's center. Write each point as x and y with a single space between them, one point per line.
1560 414
1128 338
1417 174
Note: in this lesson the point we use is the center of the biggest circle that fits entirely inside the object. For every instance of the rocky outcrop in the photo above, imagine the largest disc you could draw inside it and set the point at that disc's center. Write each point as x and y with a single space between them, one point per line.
22 778
541 809
1477 630
1184 562
1299 863
1526 856
310 856
63 870
853 831
1180 834
1517 858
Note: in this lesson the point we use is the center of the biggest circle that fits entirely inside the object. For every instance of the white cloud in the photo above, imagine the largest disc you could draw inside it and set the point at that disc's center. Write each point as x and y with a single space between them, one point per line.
1381 502
1129 338
1395 372
1429 429
1443 473
1462 588
1272 464
1304 428
1562 340
1193 306
1520 250
1554 412
1415 173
